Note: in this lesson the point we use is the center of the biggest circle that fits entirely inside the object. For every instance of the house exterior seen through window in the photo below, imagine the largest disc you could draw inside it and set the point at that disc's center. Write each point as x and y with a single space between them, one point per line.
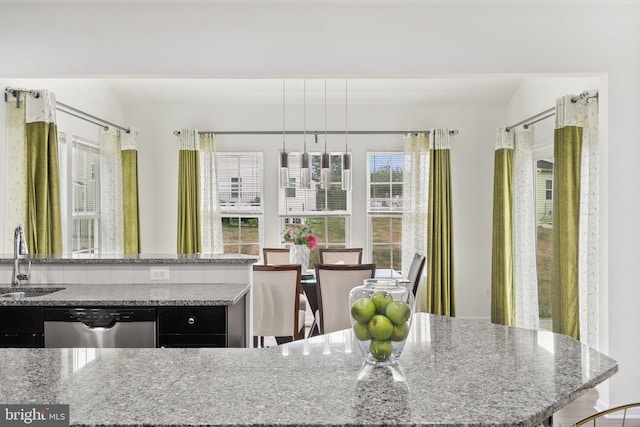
240 192
85 197
384 208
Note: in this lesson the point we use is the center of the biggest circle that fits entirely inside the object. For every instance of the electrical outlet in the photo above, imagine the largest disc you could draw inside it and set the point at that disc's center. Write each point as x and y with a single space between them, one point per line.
487 292
159 274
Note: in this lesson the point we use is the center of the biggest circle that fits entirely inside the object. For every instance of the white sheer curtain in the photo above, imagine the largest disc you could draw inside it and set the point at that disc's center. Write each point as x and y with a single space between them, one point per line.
15 173
416 206
111 223
584 113
524 232
210 201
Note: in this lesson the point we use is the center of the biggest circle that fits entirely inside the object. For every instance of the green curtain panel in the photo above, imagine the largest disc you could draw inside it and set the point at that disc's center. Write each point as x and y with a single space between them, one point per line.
566 219
189 233
440 274
502 273
130 204
43 225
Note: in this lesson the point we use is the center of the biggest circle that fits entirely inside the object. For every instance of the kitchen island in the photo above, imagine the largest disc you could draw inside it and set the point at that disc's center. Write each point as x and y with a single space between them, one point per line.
188 292
458 373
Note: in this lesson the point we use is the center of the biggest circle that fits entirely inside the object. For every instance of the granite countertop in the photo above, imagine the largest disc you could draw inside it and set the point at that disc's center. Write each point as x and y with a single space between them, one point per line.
458 373
136 259
131 295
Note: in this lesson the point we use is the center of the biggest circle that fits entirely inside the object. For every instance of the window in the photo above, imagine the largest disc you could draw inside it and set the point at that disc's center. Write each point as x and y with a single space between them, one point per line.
544 231
330 231
315 200
85 197
326 211
548 190
384 208
240 192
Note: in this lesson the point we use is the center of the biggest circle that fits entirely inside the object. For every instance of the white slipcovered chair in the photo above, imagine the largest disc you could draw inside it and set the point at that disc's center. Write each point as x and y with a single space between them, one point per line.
275 256
280 256
415 272
341 256
334 282
276 303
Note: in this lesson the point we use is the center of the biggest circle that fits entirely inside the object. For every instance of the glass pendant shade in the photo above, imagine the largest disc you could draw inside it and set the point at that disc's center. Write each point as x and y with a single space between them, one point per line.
284 169
305 173
325 177
346 172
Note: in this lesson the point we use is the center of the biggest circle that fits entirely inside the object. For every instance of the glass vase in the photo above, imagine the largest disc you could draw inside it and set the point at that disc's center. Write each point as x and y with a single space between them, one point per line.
299 254
381 314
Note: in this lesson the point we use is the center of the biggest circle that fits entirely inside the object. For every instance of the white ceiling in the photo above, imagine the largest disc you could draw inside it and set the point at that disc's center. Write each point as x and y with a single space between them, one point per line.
481 90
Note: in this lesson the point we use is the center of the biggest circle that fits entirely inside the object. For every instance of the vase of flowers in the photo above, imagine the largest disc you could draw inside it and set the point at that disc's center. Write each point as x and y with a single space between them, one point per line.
302 242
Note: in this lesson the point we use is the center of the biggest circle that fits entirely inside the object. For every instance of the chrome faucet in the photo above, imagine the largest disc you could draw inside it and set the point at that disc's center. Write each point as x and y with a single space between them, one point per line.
19 248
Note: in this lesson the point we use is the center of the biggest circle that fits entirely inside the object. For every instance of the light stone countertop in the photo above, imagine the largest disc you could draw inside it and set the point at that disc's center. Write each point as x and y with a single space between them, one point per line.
458 373
153 295
135 259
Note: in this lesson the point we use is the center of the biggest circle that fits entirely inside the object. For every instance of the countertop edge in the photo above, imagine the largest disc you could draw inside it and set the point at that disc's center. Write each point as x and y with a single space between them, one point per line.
151 259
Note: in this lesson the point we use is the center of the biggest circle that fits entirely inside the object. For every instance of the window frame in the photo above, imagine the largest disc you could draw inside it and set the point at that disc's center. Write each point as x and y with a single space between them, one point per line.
228 211
393 211
73 216
289 192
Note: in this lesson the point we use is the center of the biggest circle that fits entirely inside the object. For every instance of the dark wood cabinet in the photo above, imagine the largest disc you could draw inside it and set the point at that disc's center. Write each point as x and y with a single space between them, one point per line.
176 326
21 327
197 326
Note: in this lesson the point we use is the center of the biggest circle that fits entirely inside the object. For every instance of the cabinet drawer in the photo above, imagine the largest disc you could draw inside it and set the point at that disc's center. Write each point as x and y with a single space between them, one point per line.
192 341
192 320
19 320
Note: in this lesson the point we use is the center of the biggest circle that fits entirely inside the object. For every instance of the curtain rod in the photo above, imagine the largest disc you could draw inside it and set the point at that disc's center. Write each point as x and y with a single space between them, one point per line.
316 132
60 106
549 112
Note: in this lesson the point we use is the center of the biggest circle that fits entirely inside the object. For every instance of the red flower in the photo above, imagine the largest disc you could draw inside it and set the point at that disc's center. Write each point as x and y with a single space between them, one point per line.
312 241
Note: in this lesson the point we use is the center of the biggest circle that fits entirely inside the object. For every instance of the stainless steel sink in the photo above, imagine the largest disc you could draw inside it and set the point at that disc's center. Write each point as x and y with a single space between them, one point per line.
22 292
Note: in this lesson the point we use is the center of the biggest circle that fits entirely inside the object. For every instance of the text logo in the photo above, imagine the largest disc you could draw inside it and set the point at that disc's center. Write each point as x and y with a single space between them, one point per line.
34 415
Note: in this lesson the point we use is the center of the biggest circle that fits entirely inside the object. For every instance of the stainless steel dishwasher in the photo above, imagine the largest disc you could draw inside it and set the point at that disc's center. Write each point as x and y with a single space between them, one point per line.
112 327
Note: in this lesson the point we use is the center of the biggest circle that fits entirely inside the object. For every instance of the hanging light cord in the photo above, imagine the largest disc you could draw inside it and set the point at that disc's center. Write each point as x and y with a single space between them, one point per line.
325 116
284 148
346 120
304 114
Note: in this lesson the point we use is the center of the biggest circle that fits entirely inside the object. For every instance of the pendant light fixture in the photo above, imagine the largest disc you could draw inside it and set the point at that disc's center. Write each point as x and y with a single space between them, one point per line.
284 156
305 173
346 157
325 177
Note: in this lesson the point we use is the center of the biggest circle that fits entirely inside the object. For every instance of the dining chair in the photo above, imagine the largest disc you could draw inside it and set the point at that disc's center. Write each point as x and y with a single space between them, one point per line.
280 256
342 256
620 419
275 256
276 303
334 282
415 272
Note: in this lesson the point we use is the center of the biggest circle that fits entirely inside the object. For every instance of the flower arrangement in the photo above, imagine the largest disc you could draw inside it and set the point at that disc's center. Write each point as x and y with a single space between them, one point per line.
301 235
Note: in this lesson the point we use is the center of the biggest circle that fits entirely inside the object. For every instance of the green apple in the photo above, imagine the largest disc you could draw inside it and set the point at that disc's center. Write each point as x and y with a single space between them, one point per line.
363 310
400 332
398 312
380 327
381 349
362 331
381 299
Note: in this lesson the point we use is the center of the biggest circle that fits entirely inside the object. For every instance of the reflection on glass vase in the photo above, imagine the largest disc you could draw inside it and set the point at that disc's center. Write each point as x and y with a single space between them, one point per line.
299 254
381 314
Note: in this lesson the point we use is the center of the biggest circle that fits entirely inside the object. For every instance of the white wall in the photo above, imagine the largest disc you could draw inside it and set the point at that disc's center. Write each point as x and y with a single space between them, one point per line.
399 40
